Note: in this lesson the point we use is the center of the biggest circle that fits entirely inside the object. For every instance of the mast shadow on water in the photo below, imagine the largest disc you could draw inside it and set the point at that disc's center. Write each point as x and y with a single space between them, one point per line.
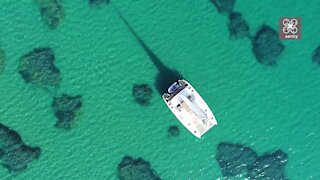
166 76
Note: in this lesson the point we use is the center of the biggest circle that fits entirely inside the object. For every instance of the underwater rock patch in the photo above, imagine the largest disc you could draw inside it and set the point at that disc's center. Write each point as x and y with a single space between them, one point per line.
267 46
224 6
270 166
17 159
316 55
37 67
99 2
174 131
237 26
14 154
2 61
8 138
51 12
136 169
142 93
65 108
235 159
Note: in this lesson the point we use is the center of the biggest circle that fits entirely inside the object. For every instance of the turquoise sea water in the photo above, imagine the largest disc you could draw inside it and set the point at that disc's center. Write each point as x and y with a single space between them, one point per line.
262 107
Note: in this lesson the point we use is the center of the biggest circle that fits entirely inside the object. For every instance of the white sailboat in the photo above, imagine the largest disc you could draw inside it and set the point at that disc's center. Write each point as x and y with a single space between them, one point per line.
189 108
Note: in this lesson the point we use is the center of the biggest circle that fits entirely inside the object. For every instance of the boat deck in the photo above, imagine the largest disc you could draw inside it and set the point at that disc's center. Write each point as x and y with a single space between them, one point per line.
191 110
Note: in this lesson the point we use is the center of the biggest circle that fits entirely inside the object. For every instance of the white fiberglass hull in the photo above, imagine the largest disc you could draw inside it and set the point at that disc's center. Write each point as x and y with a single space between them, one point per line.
190 109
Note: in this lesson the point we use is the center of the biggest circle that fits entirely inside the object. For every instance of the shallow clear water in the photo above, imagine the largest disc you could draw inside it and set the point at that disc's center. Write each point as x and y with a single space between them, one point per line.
259 106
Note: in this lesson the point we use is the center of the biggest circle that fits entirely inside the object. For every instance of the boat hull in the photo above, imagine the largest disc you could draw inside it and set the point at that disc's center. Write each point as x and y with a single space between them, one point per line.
190 109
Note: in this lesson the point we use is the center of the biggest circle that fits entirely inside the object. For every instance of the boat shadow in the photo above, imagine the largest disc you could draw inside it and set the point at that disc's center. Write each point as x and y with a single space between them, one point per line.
166 76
